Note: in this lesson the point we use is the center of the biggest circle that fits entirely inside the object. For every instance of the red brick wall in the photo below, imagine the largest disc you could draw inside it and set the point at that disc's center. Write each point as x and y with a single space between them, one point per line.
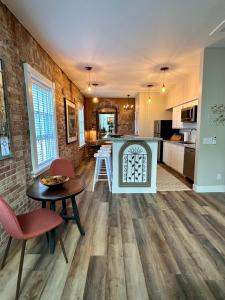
16 47
126 118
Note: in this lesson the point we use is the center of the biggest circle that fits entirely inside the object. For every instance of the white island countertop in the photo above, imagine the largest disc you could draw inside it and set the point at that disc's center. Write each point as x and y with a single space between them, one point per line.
132 138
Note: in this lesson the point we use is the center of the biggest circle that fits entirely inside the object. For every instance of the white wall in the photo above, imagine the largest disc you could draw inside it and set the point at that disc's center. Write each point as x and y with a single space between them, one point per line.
210 159
147 113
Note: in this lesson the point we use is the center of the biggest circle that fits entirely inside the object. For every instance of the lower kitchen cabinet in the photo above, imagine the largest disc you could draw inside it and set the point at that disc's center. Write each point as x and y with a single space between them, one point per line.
173 156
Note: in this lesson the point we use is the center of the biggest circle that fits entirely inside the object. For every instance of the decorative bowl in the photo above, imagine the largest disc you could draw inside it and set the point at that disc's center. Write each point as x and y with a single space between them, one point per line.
52 181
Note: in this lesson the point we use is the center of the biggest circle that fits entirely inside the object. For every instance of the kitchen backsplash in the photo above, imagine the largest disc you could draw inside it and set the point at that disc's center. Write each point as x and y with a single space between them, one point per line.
192 134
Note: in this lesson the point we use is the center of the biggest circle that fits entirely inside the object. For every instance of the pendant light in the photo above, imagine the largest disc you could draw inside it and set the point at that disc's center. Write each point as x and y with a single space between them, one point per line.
95 99
128 106
89 88
164 69
149 96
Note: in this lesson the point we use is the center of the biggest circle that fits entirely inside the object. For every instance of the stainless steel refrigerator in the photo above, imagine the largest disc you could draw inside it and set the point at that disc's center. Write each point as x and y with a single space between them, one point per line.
163 129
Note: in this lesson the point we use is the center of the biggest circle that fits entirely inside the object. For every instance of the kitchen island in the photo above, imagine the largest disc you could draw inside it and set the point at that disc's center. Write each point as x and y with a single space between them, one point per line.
134 164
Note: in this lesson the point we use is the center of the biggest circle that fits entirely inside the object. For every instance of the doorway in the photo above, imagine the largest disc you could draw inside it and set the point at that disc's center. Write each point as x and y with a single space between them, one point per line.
106 124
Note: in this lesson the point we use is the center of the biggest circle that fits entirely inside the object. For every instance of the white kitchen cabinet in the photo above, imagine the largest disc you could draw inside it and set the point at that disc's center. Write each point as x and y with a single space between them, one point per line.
177 124
184 91
166 152
173 156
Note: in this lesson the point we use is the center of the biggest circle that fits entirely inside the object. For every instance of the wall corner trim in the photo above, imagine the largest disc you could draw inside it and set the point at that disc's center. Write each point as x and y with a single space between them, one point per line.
209 188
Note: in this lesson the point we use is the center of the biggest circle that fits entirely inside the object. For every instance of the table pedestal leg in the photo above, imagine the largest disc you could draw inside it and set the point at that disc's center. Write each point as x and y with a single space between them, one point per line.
64 210
52 232
76 216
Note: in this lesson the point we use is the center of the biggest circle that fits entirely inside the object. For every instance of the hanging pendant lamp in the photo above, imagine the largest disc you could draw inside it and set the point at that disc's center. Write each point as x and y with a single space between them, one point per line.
89 87
164 69
149 96
95 99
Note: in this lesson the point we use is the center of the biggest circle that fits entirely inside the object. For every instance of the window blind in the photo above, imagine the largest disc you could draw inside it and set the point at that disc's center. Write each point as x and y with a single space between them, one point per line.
81 126
44 123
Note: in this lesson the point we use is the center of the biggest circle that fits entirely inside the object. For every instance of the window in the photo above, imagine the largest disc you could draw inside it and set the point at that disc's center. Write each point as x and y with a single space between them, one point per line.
42 120
81 126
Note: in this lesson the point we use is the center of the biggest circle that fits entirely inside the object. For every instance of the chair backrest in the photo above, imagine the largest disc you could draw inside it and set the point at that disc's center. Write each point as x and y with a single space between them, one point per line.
62 167
9 220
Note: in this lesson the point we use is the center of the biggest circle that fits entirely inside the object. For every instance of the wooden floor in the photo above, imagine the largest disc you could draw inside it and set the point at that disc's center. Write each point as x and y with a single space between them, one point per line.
165 246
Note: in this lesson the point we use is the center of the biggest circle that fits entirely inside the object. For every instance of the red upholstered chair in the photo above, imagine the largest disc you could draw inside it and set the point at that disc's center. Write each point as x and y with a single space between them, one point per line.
64 167
25 227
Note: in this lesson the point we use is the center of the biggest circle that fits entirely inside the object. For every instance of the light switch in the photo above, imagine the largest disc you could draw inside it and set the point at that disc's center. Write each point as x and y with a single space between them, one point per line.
209 140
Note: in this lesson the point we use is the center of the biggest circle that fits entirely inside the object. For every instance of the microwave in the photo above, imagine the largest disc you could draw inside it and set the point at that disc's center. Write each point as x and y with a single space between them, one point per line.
189 114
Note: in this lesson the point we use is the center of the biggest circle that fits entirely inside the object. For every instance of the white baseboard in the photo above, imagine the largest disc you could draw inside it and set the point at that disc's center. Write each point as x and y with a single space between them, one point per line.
209 188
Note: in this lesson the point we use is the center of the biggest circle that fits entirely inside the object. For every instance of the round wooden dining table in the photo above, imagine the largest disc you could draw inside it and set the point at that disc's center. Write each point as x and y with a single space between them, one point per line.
68 190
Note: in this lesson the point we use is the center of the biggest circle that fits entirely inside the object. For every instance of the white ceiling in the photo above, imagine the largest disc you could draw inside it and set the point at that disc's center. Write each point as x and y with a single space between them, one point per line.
125 40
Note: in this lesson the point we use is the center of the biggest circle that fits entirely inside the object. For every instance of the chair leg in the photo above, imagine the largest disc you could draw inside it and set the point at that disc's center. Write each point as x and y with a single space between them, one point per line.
76 216
108 173
95 175
47 238
6 252
63 249
20 269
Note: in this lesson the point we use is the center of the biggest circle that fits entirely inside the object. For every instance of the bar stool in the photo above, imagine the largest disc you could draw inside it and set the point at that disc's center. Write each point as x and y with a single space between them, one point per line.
105 151
102 157
106 146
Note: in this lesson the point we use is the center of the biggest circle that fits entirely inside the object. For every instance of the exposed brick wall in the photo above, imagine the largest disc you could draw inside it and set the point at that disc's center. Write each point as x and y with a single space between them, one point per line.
16 47
126 119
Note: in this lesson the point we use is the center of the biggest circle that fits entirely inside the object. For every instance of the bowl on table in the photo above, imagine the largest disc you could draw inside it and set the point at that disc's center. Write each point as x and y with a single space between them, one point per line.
53 181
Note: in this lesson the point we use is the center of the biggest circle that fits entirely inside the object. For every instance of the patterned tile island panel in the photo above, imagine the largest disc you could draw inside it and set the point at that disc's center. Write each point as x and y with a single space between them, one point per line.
135 159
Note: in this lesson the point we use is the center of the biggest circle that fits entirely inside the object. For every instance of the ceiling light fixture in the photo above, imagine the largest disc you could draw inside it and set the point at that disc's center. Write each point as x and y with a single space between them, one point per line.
164 69
128 106
95 99
88 68
149 96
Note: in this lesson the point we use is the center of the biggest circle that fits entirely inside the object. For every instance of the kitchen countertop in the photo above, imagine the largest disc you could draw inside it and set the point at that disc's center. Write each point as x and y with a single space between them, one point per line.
133 138
192 146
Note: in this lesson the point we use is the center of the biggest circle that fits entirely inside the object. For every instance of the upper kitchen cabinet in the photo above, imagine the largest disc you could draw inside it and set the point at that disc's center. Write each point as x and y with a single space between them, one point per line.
177 123
191 87
184 91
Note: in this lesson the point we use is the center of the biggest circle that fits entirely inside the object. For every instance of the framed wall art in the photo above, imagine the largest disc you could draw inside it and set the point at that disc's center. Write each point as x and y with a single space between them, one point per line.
5 136
70 117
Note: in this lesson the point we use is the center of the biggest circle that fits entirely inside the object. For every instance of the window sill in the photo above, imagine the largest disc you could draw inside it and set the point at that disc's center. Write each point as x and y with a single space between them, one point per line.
42 170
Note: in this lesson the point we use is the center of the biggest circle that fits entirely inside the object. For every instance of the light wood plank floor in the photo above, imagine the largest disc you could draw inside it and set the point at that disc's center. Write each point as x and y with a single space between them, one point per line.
165 246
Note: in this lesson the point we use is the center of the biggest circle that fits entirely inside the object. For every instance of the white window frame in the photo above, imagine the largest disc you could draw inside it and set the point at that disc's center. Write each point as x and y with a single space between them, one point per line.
79 107
33 76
